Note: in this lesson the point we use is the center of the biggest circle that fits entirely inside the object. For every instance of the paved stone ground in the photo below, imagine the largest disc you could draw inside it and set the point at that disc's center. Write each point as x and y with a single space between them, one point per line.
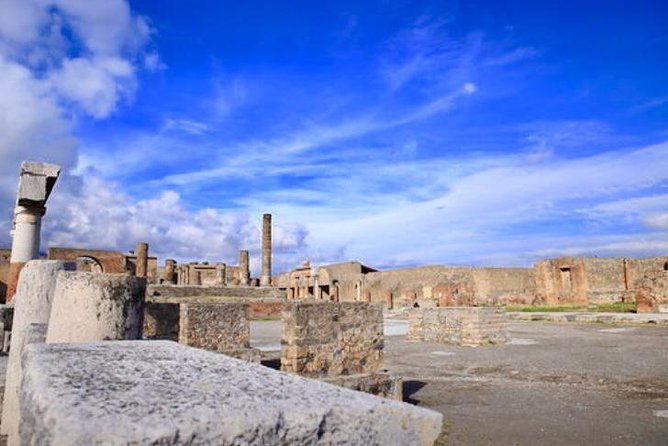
565 384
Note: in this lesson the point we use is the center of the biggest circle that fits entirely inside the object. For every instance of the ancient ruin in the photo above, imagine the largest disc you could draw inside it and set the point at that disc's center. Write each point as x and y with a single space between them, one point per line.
78 313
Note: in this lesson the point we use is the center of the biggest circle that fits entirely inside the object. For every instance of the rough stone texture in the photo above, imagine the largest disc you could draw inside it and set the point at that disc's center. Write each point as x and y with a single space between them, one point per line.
90 307
36 182
161 321
210 291
651 292
169 273
214 326
454 294
244 268
328 338
458 325
592 280
149 393
598 318
7 316
32 305
380 384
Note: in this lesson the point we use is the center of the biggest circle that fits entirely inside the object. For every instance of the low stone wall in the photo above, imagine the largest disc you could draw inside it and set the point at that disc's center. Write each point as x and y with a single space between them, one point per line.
380 384
215 291
164 393
328 338
458 325
161 321
219 326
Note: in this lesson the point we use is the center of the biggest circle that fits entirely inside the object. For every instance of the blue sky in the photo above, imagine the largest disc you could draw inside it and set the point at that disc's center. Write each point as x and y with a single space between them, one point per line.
396 133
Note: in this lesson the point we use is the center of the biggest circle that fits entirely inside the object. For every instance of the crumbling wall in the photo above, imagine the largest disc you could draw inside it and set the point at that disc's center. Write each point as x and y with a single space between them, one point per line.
328 338
489 285
458 325
221 291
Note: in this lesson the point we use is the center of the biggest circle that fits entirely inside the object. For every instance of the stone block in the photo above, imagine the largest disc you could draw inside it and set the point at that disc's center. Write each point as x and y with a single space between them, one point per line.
163 393
32 305
379 383
214 326
458 325
90 307
161 321
328 338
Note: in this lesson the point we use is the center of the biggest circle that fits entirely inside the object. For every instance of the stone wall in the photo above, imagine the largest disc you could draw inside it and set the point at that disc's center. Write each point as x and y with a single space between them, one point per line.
222 291
461 326
5 255
161 321
488 285
216 326
111 262
592 279
328 338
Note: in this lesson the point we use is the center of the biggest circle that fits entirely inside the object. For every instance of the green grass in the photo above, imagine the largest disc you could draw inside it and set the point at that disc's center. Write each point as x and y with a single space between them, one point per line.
617 307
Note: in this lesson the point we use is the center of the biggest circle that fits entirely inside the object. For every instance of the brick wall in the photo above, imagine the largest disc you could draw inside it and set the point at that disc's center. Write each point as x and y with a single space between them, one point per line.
458 325
329 338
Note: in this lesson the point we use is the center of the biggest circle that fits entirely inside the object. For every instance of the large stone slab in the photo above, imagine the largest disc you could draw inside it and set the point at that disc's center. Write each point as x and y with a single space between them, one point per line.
159 392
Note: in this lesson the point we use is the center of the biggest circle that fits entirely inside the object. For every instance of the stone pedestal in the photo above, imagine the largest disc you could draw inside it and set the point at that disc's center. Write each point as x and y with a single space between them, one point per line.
89 307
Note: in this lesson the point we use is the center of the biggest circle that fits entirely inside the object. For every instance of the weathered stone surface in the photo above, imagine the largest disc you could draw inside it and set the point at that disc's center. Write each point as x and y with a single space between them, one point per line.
211 291
458 325
163 393
378 383
329 338
31 306
90 307
214 326
161 321
37 181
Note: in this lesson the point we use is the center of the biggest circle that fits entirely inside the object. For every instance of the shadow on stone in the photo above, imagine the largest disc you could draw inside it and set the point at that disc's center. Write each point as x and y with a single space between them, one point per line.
410 388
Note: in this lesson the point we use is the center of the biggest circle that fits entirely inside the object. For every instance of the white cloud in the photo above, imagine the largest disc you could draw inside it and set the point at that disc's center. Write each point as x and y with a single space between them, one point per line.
87 212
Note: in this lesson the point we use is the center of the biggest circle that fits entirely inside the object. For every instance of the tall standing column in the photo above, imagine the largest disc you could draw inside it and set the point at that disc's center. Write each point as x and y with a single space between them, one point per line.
244 268
35 184
265 278
221 274
141 267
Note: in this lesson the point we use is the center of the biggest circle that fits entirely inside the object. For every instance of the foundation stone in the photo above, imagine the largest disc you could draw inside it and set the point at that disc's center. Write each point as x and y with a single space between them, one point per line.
458 325
328 338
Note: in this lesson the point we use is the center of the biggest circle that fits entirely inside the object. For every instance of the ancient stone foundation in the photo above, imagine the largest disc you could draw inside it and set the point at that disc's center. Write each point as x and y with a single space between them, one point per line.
328 338
458 325
164 393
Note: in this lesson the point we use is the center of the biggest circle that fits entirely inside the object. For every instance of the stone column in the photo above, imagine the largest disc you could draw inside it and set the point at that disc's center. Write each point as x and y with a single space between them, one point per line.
265 278
33 306
141 266
35 184
170 271
221 274
244 268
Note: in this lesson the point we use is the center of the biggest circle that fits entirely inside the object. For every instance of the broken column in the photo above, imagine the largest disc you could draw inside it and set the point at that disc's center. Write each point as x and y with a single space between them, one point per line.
169 273
265 278
141 267
89 307
244 268
35 184
33 306
221 274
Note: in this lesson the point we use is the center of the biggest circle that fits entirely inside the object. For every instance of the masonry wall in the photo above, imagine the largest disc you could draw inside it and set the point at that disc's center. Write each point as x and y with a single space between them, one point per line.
5 255
490 285
458 325
219 291
216 326
328 338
